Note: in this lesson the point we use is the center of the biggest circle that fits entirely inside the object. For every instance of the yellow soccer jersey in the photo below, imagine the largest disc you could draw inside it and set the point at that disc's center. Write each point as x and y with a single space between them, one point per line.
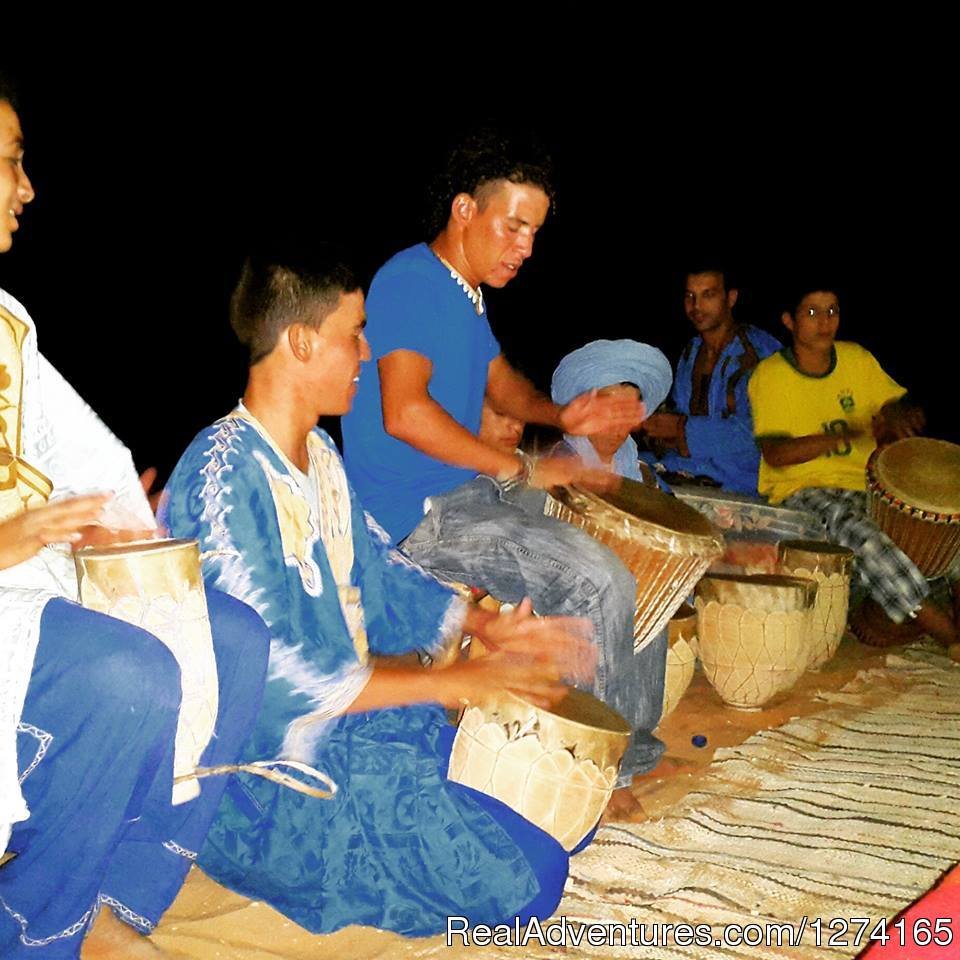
788 403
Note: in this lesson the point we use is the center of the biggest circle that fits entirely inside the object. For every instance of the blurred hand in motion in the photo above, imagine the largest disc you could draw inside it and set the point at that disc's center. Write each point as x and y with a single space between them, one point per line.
62 521
561 470
561 645
483 678
97 535
593 413
118 524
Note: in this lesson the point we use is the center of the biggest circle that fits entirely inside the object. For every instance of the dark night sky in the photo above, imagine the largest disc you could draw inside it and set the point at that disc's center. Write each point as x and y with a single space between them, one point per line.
154 176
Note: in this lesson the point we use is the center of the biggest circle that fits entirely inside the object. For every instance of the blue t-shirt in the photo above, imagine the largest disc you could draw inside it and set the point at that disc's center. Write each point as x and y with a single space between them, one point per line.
415 304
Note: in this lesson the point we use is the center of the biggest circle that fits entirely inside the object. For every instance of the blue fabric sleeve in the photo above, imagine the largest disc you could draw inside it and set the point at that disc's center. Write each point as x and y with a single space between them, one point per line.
680 394
406 607
403 315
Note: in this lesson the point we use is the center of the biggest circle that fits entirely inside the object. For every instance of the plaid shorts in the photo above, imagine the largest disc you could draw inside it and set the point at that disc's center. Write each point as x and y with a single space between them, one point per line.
884 570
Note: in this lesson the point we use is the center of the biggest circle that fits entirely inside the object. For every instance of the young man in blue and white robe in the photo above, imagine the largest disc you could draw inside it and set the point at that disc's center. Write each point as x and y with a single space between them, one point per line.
264 490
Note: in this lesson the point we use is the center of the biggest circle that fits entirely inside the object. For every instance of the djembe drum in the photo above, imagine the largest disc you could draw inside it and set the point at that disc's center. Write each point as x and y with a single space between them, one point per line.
557 767
156 585
681 657
665 544
829 565
753 634
913 489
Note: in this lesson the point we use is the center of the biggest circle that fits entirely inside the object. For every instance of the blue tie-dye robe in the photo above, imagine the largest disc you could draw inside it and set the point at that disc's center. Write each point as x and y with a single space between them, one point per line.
398 846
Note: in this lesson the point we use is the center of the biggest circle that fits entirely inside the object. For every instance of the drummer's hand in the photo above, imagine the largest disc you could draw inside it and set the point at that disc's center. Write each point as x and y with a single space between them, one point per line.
896 421
62 521
592 413
147 479
97 535
562 643
561 470
668 428
483 678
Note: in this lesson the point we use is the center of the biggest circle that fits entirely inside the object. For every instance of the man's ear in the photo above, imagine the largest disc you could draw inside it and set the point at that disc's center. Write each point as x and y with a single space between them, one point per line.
787 319
298 338
732 298
463 209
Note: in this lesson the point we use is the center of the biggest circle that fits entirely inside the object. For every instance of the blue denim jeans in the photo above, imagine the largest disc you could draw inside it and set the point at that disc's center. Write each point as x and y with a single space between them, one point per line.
505 544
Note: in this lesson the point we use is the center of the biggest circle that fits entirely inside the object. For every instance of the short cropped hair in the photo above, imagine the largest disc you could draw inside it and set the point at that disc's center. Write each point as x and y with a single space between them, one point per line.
713 266
816 284
482 159
8 93
275 291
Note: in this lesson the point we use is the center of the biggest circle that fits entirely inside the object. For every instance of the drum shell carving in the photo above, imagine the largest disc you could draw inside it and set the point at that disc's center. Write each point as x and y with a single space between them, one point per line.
157 585
681 657
830 566
555 768
665 544
753 635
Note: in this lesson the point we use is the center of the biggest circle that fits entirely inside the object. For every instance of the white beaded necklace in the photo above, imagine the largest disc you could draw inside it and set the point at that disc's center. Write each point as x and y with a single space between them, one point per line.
474 295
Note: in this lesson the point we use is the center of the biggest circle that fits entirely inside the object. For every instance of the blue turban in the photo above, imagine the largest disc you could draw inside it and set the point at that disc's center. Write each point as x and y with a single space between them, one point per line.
600 364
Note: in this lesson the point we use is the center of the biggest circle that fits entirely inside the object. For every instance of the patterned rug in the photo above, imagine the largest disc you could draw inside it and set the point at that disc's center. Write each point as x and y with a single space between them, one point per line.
850 812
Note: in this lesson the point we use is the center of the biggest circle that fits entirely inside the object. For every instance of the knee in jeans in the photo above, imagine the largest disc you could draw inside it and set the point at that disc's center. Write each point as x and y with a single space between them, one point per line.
612 580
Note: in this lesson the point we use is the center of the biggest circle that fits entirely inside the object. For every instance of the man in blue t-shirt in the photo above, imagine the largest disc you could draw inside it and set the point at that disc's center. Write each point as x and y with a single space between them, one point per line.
412 435
413 430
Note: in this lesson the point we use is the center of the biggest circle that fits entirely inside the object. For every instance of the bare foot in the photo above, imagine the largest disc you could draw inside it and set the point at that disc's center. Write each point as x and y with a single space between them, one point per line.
623 807
938 623
872 626
112 939
954 651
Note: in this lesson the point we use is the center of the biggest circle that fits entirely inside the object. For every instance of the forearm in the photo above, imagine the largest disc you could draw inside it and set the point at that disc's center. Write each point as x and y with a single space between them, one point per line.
512 393
529 405
476 621
427 427
393 685
785 452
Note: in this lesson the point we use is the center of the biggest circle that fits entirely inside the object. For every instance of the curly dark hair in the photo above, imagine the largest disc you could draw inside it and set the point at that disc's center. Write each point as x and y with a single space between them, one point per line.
484 157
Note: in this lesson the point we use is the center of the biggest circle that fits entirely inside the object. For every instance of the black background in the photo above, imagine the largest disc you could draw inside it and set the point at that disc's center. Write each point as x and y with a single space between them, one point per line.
157 164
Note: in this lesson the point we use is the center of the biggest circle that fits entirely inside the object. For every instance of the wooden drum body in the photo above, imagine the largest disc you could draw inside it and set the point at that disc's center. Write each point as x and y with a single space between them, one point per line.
665 544
913 490
829 566
753 634
681 657
156 585
557 768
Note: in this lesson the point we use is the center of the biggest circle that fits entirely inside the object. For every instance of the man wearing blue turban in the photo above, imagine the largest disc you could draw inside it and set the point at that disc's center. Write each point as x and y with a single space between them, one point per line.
609 367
